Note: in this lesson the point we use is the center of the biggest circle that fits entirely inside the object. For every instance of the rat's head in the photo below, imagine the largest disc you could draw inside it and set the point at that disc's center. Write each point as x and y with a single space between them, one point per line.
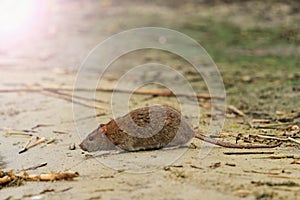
97 140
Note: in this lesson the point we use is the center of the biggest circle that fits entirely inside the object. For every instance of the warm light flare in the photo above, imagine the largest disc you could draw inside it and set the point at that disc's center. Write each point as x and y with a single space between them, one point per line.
16 16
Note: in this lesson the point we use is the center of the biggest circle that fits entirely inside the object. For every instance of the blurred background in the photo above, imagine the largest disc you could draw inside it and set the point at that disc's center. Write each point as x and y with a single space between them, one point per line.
255 44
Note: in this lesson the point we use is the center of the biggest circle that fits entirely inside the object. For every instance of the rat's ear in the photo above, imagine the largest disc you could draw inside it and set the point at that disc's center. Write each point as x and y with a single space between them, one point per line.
103 129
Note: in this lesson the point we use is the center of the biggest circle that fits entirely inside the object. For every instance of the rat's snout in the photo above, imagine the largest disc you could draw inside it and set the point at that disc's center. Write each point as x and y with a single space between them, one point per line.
82 147
96 140
91 142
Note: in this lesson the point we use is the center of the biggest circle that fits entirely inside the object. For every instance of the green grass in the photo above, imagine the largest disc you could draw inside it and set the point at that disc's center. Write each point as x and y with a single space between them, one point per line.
259 52
219 38
233 48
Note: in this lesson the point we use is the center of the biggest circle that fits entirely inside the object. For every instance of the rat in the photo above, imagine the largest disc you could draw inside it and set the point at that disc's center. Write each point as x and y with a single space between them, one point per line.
149 128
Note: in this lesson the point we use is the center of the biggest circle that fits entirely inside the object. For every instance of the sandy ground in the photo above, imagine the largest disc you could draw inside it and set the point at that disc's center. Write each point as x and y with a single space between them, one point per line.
51 58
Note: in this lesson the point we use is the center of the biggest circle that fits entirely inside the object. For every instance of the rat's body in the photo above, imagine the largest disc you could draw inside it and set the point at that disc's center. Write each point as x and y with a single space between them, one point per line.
148 128
171 130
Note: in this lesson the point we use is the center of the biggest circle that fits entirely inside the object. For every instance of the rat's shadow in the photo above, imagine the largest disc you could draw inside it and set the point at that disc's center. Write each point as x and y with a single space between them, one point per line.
116 151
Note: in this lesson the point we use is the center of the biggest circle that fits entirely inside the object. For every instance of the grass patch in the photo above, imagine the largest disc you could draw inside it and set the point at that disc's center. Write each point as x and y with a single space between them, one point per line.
219 38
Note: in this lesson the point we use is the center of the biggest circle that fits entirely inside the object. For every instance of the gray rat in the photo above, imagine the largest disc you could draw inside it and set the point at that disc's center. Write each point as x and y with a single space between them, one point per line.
149 128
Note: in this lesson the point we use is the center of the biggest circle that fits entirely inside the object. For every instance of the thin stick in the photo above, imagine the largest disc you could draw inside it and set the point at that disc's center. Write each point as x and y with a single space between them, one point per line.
263 121
280 156
75 96
49 141
248 152
229 145
293 140
51 91
166 93
272 126
235 110
35 167
18 90
60 132
270 137
18 131
28 143
66 189
142 92
195 166
259 172
92 116
10 133
48 177
5 179
71 100
41 125
39 141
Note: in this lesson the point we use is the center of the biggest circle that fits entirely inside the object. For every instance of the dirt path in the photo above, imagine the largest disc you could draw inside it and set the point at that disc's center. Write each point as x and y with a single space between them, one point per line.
260 86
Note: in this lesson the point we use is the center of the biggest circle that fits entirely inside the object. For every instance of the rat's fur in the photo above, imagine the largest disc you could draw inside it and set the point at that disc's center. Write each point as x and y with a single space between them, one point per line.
145 128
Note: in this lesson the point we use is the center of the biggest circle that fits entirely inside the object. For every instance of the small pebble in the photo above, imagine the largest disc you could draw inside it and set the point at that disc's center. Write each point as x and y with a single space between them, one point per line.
215 165
72 147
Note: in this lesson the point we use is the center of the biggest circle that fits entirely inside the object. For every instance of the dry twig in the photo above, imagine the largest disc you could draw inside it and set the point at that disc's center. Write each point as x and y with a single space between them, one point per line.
263 121
41 125
248 152
69 99
60 132
9 177
272 126
293 140
260 172
280 156
35 167
229 145
37 142
141 92
17 133
270 137
75 96
235 110
49 177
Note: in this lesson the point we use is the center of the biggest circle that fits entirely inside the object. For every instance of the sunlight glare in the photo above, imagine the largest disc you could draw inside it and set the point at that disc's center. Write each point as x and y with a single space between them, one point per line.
16 16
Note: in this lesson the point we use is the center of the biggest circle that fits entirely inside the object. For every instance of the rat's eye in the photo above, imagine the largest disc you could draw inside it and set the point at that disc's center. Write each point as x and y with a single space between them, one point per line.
91 138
